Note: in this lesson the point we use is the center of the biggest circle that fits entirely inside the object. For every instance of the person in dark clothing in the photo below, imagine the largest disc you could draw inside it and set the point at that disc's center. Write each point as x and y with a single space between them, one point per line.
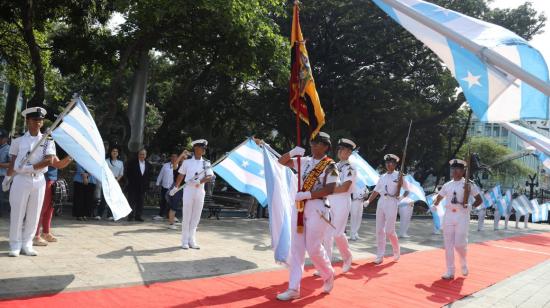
83 193
138 174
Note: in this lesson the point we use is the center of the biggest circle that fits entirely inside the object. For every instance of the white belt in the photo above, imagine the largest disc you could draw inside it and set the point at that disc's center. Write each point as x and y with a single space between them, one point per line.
33 174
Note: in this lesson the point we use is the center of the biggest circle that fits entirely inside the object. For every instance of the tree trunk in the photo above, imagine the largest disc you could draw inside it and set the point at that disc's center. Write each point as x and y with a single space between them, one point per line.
34 50
10 114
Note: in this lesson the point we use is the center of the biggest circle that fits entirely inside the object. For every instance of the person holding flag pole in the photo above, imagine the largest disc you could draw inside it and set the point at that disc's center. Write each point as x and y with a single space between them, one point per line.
319 177
31 155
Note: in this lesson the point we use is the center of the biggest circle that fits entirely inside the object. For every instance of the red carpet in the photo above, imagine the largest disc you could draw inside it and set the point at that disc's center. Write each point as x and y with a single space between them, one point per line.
412 282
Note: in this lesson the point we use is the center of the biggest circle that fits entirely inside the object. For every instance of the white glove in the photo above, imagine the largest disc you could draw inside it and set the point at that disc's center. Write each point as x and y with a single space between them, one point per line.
6 183
366 203
173 191
297 151
196 181
303 195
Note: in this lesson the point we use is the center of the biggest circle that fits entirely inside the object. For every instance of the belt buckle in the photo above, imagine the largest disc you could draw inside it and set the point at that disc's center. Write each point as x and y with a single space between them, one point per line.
454 210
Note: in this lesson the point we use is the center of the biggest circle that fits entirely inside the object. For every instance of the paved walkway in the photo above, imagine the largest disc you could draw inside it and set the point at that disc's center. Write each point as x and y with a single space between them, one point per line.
105 254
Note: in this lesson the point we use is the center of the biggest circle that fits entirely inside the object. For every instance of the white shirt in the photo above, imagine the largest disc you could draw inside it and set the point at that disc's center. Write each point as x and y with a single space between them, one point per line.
116 166
308 164
387 185
456 188
166 176
193 168
23 145
142 166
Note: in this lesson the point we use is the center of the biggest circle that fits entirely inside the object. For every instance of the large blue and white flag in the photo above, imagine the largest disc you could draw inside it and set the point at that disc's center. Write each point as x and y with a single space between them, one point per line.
540 211
243 169
493 95
544 160
522 205
437 211
79 137
366 174
416 192
487 200
531 137
496 194
281 185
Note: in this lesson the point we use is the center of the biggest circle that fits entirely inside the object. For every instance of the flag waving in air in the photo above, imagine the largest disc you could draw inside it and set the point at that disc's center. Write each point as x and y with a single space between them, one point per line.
304 100
463 43
79 137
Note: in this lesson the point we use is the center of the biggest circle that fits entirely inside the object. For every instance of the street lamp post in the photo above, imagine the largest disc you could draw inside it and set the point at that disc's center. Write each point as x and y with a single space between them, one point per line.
532 183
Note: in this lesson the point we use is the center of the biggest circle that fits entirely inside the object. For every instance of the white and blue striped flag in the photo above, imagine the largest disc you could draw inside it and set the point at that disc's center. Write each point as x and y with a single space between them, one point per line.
437 212
540 211
282 185
544 160
79 137
522 205
504 203
531 137
416 192
487 200
243 169
366 174
493 95
496 194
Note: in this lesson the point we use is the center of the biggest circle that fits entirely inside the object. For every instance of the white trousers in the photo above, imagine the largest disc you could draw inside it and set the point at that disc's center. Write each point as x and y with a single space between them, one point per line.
525 220
311 241
455 235
498 217
405 216
481 219
26 198
356 217
340 207
386 214
193 202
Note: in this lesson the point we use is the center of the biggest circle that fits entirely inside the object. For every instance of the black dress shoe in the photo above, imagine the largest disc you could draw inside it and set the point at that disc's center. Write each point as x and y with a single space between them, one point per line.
139 219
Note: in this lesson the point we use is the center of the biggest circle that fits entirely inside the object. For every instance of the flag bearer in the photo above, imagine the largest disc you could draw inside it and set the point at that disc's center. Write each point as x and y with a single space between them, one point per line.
28 187
457 217
358 197
386 210
340 204
196 171
319 175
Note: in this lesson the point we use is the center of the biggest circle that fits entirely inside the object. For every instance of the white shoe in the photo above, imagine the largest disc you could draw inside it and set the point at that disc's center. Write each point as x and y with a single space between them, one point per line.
110 218
405 236
185 246
378 260
465 271
157 217
329 284
176 219
194 246
172 227
437 232
448 276
177 223
396 257
347 265
317 274
97 218
29 252
13 253
288 295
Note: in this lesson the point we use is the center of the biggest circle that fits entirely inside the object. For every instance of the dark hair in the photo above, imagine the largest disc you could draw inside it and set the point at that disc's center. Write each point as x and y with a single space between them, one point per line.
111 148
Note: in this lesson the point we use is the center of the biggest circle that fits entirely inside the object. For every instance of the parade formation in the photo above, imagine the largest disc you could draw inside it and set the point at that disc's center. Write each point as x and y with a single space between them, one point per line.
308 195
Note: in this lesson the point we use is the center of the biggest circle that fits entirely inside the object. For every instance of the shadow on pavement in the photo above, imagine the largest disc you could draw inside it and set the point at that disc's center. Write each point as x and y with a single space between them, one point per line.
28 286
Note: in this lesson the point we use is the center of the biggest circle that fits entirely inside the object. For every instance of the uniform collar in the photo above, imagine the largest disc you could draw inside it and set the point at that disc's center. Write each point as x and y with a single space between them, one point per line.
29 134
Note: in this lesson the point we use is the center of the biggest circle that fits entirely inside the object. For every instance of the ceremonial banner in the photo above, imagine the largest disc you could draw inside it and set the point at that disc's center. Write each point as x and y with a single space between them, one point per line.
304 99
540 211
366 175
437 212
538 141
522 205
79 137
493 95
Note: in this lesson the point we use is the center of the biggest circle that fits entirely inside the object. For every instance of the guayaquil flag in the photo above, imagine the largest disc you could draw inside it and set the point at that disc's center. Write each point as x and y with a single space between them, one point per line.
304 99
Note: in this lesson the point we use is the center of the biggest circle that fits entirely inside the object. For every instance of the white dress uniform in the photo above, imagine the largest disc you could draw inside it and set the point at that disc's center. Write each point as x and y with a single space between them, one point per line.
406 207
356 214
456 222
27 190
386 213
481 211
314 227
340 206
193 198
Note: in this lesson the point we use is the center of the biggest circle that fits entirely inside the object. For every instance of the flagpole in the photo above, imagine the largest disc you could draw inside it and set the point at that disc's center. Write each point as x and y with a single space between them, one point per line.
484 53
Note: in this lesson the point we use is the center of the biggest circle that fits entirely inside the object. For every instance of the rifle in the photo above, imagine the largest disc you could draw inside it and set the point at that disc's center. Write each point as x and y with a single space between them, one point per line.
467 179
400 181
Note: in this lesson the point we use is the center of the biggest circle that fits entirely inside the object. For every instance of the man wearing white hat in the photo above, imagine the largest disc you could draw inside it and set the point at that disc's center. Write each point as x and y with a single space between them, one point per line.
195 171
340 204
457 216
309 221
386 209
28 187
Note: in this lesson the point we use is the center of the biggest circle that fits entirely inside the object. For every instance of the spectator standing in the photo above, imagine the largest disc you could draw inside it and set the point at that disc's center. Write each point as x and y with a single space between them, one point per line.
165 180
4 163
83 194
138 174
117 167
